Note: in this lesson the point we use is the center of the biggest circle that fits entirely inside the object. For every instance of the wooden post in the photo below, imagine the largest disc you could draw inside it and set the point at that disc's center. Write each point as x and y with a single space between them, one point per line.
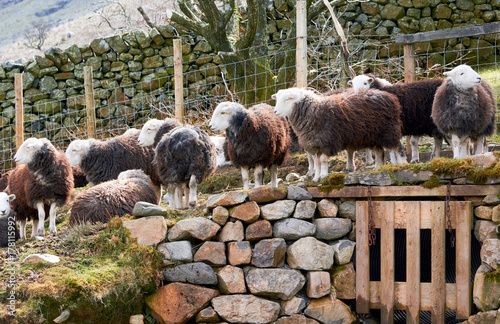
409 209
409 62
362 258
18 86
301 53
89 101
438 256
178 80
386 261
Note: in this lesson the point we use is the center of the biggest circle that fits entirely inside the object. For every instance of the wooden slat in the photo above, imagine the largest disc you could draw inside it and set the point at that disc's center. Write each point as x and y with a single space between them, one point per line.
301 52
438 263
463 212
178 81
386 214
362 258
89 100
18 86
425 216
409 62
411 209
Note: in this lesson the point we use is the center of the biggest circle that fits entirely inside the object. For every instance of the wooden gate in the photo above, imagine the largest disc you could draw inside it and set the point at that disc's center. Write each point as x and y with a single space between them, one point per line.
413 296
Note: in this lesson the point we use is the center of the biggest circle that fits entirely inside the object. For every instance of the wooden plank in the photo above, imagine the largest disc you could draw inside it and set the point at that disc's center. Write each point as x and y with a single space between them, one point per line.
179 81
400 293
406 191
89 101
411 209
301 52
362 258
18 86
409 63
438 263
463 212
482 29
386 214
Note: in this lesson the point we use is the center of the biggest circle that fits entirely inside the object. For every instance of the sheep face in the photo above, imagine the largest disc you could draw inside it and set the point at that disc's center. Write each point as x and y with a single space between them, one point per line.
27 150
361 82
463 76
5 200
76 151
286 99
148 132
222 115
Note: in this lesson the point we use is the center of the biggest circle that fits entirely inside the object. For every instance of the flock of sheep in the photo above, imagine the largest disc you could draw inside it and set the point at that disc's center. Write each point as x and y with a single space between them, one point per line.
372 115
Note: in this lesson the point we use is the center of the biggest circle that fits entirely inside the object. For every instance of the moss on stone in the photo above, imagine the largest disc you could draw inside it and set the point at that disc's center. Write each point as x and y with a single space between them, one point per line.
493 276
432 183
332 182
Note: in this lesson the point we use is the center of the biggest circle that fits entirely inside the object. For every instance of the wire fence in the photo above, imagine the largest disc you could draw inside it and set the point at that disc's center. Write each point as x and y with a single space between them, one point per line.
57 110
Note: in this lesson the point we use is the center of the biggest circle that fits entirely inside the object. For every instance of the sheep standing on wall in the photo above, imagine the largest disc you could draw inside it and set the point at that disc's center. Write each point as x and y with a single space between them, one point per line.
185 156
113 198
416 100
464 108
8 230
44 178
257 138
349 120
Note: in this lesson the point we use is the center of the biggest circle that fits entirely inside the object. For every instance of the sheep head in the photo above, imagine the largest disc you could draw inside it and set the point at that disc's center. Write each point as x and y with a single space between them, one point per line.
361 82
222 115
287 98
148 132
5 200
28 149
77 150
463 76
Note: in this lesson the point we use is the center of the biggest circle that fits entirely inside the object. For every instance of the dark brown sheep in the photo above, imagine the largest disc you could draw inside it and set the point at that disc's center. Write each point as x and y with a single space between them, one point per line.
154 129
8 229
3 180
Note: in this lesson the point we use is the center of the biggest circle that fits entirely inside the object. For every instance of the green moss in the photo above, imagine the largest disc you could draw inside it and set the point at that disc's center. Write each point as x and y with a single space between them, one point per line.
416 167
217 183
332 182
493 276
432 183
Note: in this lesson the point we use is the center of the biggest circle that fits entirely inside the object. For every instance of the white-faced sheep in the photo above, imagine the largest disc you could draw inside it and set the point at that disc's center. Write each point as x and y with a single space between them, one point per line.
350 120
43 180
8 230
101 161
185 156
464 108
416 100
113 198
256 139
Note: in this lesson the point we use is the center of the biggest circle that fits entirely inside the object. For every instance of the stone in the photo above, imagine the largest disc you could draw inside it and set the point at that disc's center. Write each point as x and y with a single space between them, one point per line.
231 280
466 5
74 54
344 281
305 209
329 310
376 179
212 253
490 253
142 208
99 46
332 228
197 273
292 177
296 319
297 193
491 200
327 208
495 214
419 4
178 302
220 215
484 160
207 315
259 230
227 199
136 319
318 284
483 212
484 230
411 176
47 84
293 229
486 291
347 209
196 227
178 251
343 251
232 232
239 253
264 194
245 309
149 230
292 306
351 179
269 253
35 258
248 212
484 318
392 12
275 283
310 254
442 11
278 210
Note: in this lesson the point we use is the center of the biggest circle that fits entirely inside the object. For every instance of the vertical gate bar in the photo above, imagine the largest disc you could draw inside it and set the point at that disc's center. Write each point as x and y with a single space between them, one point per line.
387 262
301 52
362 259
178 81
462 210
438 262
18 86
412 212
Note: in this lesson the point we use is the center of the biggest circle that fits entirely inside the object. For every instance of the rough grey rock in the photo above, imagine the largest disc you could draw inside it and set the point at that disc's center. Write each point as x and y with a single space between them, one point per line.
179 251
143 208
269 253
278 210
292 306
484 230
332 228
310 254
490 252
293 229
226 199
343 251
196 227
305 209
246 309
275 283
197 273
347 209
410 176
376 179
297 193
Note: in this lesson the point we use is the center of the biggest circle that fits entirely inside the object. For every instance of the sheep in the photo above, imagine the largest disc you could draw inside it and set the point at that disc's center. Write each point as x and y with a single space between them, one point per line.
8 230
101 161
79 178
3 180
256 139
416 100
185 156
349 120
464 108
43 181
113 198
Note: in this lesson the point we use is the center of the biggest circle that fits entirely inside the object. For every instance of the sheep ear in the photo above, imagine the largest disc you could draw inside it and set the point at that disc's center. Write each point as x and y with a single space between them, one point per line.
349 83
447 73
370 80
12 197
273 97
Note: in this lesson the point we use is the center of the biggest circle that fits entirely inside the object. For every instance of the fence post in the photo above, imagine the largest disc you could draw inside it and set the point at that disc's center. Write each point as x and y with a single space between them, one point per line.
18 86
301 54
178 80
409 66
89 101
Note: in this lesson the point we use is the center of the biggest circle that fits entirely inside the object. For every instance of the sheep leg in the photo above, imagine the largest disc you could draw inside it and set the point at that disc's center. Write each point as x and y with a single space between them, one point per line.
464 148
171 195
324 165
479 145
317 168
379 157
401 154
273 170
310 161
350 161
259 176
186 196
414 149
369 158
193 187
52 219
245 177
178 197
22 229
436 150
34 228
41 218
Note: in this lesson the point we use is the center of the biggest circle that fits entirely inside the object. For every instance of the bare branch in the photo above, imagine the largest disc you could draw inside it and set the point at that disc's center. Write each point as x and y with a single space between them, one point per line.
36 34
189 10
212 13
227 16
199 28
146 18
246 40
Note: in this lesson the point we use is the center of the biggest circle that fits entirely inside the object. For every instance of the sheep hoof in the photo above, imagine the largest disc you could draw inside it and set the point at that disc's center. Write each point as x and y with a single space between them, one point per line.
41 232
192 205
415 161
